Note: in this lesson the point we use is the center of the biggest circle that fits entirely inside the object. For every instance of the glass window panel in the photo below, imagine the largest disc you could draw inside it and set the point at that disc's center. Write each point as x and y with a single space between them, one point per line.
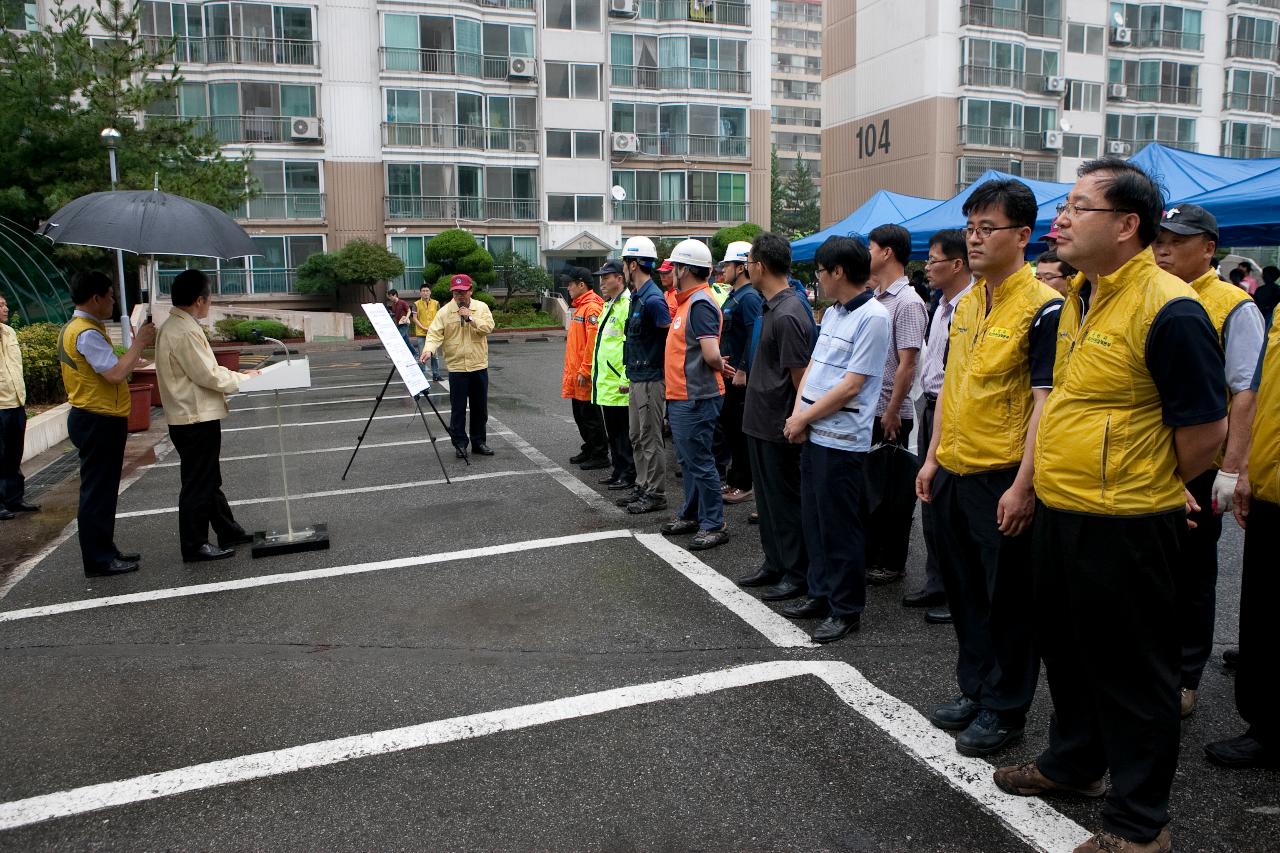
559 143
703 119
192 99
437 179
586 144
302 176
498 179
524 112
409 250
673 52
224 99
303 246
521 41
499 112
626 180
470 109
620 49
560 208
434 32
559 14
591 208
470 181
646 118
1093 40
524 183
586 82
271 251
269 173
673 119
557 74
404 105
403 179
498 245
733 122
624 118
217 20
526 247
295 22
647 186
587 15
646 48
467 38
297 100
443 107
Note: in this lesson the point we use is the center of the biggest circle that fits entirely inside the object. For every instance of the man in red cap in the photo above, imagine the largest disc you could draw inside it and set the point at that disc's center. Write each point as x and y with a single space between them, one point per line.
462 329
667 281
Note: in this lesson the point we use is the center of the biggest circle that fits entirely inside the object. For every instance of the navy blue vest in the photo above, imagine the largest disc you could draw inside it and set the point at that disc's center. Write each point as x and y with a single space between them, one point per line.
644 350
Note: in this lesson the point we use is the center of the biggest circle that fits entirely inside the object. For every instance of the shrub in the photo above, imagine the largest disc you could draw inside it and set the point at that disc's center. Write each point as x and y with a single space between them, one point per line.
361 326
455 250
40 369
482 296
243 330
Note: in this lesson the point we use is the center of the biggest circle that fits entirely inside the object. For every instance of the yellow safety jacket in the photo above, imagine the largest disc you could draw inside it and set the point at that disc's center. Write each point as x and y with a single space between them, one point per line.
986 390
1220 299
1103 447
86 389
1264 455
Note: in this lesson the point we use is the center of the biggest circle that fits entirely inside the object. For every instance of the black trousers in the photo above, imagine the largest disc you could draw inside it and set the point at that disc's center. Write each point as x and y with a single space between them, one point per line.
987 576
1259 635
1198 581
468 388
590 421
888 529
201 501
1106 626
776 468
617 426
735 401
831 497
932 573
13 433
100 440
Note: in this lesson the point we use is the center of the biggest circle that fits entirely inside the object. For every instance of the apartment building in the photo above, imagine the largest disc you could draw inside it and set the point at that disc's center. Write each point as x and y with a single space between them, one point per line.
796 129
922 98
545 127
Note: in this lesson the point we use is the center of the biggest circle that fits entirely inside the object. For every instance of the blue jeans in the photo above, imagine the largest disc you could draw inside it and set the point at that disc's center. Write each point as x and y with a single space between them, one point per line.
693 423
435 359
404 333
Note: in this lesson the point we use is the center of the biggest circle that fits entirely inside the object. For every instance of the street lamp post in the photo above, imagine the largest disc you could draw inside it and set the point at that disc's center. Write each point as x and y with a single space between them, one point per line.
110 138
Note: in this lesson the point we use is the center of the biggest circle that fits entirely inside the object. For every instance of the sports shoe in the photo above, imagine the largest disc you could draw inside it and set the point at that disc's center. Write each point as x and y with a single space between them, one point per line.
647 503
679 525
1187 702
709 539
737 496
987 735
1026 780
630 496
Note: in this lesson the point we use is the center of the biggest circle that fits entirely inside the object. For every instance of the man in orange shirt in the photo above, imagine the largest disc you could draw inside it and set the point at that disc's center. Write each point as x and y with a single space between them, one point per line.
576 383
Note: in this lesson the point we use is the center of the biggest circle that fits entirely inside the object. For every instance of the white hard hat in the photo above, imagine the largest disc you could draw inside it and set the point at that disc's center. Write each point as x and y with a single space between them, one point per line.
640 247
736 252
692 253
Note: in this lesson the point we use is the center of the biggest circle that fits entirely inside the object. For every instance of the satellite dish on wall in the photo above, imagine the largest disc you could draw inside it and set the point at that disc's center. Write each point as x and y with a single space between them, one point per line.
618 193
1065 125
1118 19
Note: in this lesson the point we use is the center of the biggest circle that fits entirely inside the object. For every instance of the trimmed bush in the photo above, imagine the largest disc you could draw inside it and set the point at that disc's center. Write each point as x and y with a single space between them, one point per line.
40 369
361 326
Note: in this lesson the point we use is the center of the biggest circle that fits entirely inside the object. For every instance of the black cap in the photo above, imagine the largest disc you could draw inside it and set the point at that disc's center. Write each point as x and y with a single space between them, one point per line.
1189 219
581 274
610 267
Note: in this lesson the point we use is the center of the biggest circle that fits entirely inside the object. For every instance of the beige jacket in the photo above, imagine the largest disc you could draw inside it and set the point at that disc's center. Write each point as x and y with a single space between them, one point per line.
193 386
13 388
465 345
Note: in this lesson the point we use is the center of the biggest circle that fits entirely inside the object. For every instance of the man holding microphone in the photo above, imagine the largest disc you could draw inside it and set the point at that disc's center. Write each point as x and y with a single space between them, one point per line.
462 329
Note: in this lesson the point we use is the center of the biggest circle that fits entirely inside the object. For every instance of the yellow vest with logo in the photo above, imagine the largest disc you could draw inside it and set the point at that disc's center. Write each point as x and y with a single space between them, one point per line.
1264 456
86 389
1103 447
1220 299
986 390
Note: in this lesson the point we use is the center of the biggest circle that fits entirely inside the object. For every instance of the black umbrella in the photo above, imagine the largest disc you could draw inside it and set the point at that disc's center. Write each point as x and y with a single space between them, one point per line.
149 222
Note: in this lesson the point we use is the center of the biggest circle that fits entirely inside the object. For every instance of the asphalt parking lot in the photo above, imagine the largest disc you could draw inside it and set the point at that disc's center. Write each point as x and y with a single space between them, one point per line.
504 662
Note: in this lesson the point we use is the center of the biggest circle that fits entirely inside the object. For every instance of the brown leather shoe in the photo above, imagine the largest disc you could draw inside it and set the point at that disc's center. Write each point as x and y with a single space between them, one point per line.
1188 702
1106 842
1026 780
737 496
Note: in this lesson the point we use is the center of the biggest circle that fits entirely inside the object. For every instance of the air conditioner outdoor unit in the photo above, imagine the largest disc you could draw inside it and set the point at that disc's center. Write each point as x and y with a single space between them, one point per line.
1119 147
1055 84
624 8
522 146
1053 140
1121 36
521 67
625 142
305 130
1117 92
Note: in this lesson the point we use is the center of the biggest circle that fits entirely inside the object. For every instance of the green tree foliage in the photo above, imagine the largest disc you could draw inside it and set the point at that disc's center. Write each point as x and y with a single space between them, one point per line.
776 197
721 239
517 275
317 274
38 343
57 93
665 246
456 251
801 214
360 263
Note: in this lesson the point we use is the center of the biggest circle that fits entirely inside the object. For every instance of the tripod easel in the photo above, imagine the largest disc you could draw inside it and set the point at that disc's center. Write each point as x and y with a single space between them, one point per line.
378 402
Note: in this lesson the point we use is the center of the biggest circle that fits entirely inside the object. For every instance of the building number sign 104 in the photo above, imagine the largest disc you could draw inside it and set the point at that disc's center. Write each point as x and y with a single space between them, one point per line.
873 140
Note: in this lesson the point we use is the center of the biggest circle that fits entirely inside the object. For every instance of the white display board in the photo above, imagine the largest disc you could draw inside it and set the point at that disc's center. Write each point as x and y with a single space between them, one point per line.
281 376
401 356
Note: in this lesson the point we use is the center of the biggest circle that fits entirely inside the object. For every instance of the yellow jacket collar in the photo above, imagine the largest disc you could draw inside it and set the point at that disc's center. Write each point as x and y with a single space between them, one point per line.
1140 265
1014 282
1210 275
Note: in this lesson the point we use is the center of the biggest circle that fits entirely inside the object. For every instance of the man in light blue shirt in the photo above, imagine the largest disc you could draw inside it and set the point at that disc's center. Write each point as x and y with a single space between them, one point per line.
833 419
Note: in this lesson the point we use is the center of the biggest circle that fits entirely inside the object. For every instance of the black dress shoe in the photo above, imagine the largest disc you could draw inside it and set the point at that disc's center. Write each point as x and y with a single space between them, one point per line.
115 567
128 558
763 577
923 599
207 552
582 456
783 590
241 538
482 449
1241 753
835 627
987 734
5 515
807 608
1230 658
619 485
955 715
630 497
460 453
608 481
878 576
23 506
754 518
594 464
938 615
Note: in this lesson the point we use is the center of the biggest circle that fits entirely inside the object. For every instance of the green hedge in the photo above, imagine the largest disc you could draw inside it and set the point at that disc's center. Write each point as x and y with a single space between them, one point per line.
40 369
360 325
242 330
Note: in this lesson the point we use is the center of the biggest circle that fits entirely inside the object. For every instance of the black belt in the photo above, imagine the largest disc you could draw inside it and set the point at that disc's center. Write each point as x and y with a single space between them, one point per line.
852 409
931 399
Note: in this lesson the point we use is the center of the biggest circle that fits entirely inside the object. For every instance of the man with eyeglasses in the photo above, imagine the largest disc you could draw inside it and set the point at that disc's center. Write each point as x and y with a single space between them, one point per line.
1138 410
977 474
948 271
1054 271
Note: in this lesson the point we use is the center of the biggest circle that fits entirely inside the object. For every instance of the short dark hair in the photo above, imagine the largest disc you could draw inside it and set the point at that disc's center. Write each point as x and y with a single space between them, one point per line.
1051 257
847 253
1132 191
189 286
1270 274
1248 266
1011 197
952 243
86 284
895 237
393 292
1236 275
773 252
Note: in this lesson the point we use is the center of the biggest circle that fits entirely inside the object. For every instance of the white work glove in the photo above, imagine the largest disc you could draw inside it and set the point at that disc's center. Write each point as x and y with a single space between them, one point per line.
1224 489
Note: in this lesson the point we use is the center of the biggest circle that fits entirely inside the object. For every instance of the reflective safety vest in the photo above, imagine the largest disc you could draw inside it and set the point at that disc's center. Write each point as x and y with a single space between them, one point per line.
1220 299
986 390
688 375
579 346
608 371
720 292
1103 447
86 389
1264 455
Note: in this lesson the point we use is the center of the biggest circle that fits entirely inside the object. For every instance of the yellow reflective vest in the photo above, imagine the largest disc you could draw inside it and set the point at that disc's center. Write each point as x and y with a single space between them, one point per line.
1103 447
86 389
1220 299
1264 455
986 390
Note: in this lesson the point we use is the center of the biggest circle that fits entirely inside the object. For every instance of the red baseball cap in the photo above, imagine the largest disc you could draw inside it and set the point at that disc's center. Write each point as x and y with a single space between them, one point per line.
667 266
1053 232
461 281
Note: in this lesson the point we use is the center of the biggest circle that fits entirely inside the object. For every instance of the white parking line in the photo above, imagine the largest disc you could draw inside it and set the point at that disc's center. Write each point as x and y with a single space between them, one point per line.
314 388
561 476
1035 822
236 409
404 414
343 449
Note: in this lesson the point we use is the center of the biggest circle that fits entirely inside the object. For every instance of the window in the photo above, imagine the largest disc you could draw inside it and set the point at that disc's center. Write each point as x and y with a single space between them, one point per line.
575 208
502 40
797 37
1075 145
1159 25
411 250
992 54
799 116
1083 38
525 247
794 63
1152 128
580 144
1082 96
572 80
1042 62
573 15
797 90
19 15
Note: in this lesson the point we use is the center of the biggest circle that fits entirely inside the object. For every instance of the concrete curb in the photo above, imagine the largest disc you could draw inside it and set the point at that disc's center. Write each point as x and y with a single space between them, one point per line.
45 430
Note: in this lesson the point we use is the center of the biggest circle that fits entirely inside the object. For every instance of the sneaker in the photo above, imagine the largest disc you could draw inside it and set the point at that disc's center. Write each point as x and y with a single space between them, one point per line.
709 539
629 497
737 496
1107 842
678 525
879 576
956 715
647 503
987 735
1026 780
1187 702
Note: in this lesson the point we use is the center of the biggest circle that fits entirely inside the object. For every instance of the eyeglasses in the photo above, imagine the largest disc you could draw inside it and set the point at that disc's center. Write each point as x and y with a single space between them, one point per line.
820 270
931 261
1071 209
987 230
1048 276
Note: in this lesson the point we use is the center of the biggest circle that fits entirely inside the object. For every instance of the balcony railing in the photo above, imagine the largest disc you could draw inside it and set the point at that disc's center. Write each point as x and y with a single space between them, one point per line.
982 75
691 145
719 12
234 282
503 4
1169 39
974 15
1246 101
308 206
239 129
1001 137
1136 145
1162 94
238 50
464 136
1266 4
460 207
453 62
708 79
1247 152
1038 25
680 211
1249 49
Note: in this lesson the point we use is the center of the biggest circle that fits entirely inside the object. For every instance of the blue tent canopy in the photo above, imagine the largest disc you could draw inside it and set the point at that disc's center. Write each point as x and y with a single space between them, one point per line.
884 206
1187 173
1246 211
